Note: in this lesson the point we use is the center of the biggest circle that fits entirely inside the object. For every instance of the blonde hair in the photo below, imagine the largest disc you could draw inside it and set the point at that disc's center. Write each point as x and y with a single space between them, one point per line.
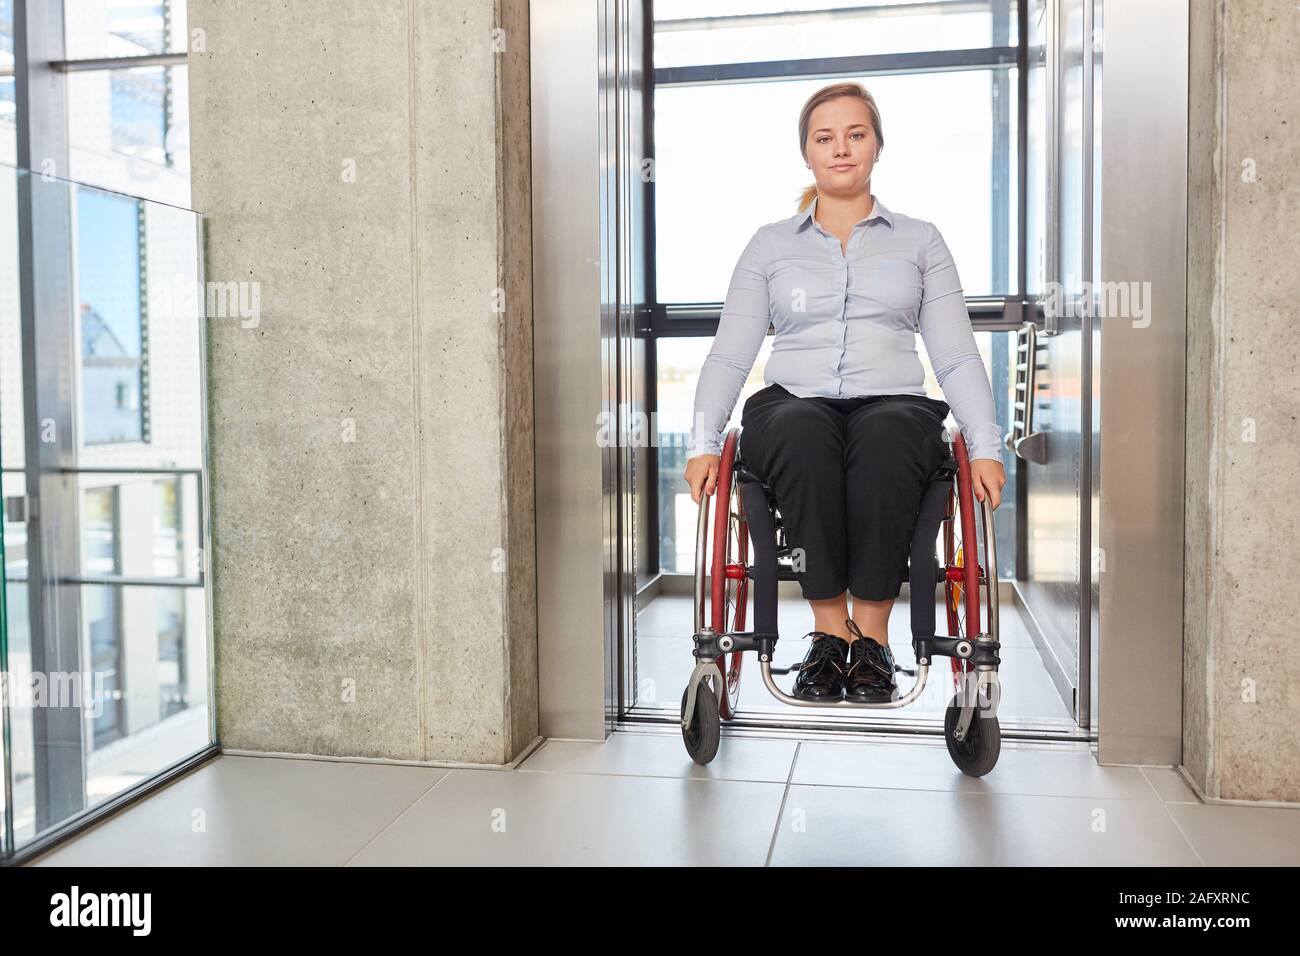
857 91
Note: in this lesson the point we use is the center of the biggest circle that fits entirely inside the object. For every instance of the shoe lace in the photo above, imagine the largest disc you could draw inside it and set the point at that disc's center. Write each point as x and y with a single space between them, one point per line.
873 653
821 653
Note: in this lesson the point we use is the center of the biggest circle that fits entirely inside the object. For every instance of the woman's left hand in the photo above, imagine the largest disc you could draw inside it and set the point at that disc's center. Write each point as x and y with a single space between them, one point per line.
988 476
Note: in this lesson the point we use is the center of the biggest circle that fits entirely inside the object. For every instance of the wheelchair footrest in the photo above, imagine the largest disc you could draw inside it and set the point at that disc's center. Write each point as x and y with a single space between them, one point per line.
797 665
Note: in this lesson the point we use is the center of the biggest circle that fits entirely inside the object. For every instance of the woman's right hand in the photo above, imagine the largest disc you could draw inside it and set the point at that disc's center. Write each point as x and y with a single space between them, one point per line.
702 473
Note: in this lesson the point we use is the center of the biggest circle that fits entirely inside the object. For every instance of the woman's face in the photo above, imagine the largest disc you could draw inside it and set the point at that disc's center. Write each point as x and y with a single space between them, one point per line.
841 147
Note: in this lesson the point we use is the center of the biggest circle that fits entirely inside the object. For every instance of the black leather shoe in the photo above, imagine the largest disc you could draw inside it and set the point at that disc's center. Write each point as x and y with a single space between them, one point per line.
821 675
870 675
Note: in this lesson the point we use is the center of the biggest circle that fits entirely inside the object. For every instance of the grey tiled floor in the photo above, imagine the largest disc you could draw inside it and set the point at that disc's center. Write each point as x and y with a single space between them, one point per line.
637 799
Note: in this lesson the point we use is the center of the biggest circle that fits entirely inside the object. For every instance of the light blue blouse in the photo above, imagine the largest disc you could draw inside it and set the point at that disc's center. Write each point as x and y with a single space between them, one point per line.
846 323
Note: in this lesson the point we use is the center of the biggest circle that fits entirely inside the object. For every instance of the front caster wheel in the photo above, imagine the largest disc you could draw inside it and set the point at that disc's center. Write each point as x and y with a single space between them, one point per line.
978 752
705 730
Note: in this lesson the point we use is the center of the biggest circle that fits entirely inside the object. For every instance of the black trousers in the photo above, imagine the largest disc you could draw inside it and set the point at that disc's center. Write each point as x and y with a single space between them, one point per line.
847 475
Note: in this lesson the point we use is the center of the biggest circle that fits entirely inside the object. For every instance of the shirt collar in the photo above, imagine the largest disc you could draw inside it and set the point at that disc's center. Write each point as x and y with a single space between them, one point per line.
880 212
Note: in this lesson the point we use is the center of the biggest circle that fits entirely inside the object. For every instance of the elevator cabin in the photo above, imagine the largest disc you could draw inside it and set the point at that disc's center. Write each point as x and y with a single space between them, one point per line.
665 133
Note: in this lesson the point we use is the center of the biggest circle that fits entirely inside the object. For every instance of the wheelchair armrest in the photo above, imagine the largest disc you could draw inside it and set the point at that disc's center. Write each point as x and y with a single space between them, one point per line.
946 471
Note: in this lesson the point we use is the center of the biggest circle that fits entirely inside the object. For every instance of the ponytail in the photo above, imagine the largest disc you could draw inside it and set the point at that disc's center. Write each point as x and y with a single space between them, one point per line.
808 194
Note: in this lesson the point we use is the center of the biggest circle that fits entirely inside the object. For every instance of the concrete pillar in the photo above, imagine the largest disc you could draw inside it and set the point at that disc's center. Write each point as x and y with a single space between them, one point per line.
364 167
1242 673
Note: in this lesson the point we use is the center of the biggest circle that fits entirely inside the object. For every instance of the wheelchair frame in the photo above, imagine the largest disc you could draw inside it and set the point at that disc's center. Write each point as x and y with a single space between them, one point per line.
746 510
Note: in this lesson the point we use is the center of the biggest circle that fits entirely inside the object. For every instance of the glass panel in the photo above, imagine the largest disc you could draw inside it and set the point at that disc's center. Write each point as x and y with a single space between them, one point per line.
689 32
155 712
101 608
94 29
138 107
942 152
8 101
169 605
99 531
1070 223
15 738
128 130
1004 234
12 431
1036 149
112 319
168 555
679 360
112 666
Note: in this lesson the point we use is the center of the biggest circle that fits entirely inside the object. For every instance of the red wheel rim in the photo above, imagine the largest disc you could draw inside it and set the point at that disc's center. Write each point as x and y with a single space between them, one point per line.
951 590
961 560
966 501
728 574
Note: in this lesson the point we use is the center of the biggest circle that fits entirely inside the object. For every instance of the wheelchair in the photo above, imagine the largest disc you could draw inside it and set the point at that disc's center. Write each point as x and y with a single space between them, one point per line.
746 511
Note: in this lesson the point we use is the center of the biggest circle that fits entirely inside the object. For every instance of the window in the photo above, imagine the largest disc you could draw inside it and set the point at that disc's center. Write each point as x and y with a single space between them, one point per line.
678 361
123 570
96 29
100 608
169 603
708 32
113 402
730 77
139 112
128 124
730 151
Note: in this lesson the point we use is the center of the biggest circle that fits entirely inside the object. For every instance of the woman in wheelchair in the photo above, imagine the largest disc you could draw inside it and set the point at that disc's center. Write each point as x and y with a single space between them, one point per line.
844 436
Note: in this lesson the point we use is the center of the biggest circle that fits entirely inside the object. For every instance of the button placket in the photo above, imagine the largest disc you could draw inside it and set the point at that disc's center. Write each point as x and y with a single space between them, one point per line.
845 256
844 307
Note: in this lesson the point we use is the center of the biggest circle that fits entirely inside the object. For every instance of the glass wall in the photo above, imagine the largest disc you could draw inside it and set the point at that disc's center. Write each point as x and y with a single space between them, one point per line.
104 622
128 126
942 148
106 655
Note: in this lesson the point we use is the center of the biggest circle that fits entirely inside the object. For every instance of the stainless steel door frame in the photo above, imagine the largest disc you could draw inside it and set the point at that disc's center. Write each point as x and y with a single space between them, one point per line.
1142 362
586 77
